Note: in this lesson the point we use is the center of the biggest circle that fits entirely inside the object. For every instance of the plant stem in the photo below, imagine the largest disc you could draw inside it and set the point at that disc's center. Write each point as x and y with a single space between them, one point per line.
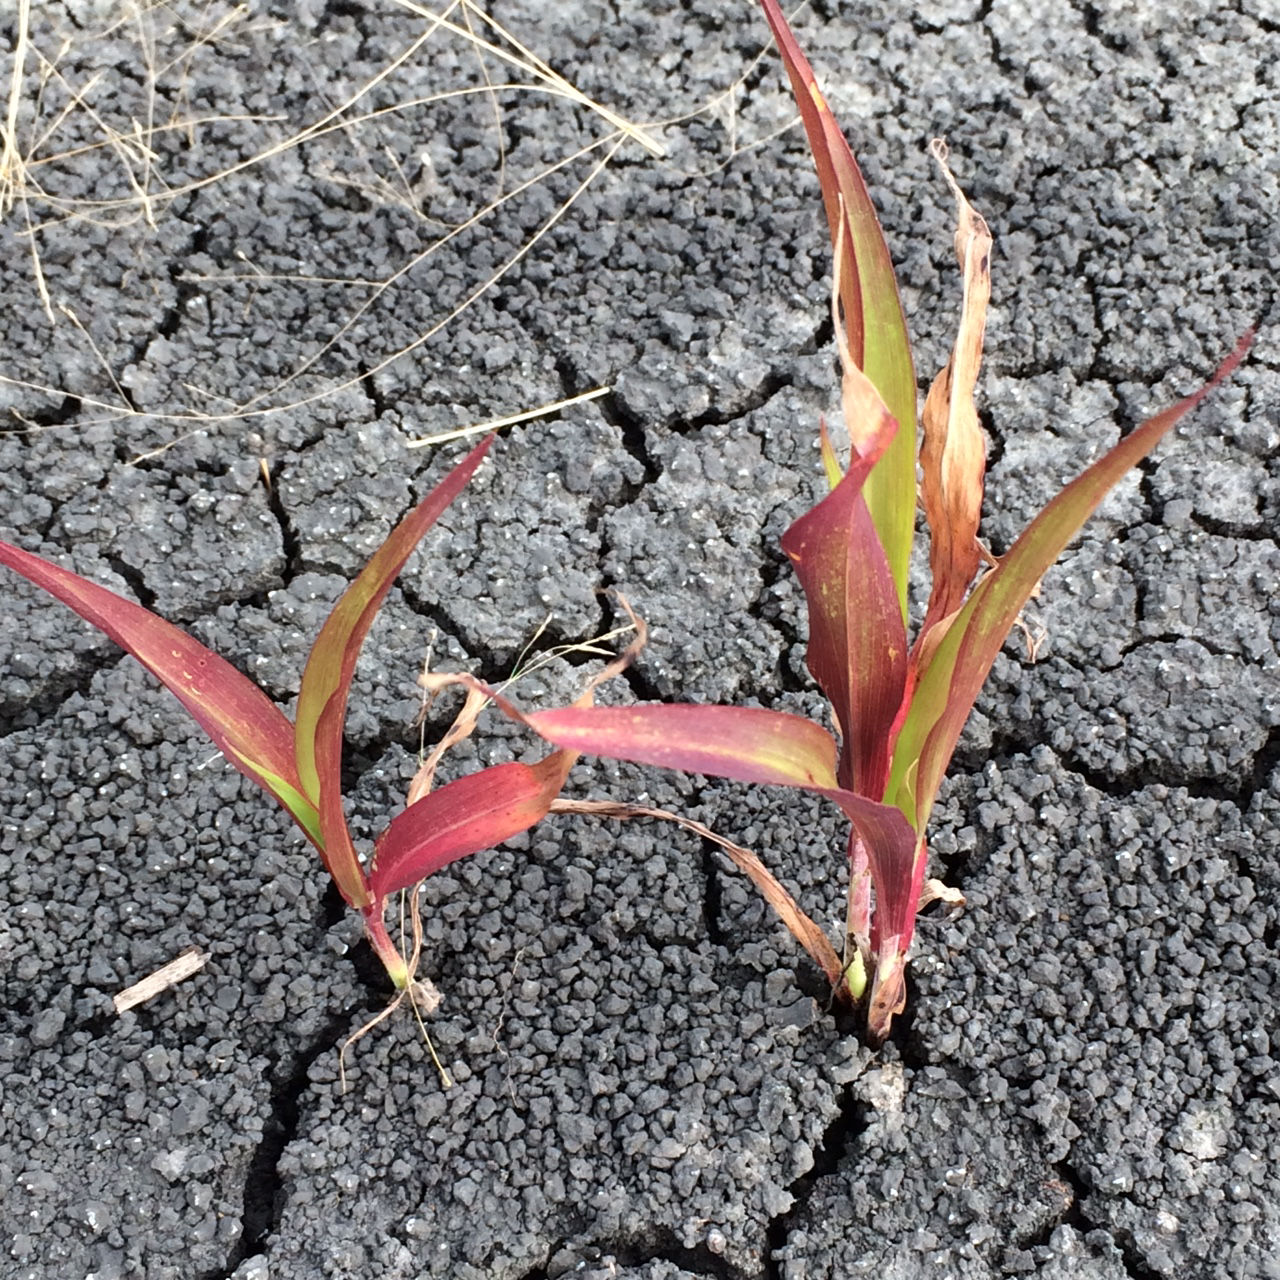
383 947
857 939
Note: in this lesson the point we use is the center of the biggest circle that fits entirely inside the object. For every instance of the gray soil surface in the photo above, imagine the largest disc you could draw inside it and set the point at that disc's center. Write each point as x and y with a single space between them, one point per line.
648 1083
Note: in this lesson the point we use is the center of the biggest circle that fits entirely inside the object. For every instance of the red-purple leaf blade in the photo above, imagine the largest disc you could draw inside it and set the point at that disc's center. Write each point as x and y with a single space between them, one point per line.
748 744
476 812
857 642
333 656
955 673
245 725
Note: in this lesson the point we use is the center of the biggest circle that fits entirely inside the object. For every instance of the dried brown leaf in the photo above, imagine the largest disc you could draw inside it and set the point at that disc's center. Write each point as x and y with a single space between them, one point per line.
953 455
802 927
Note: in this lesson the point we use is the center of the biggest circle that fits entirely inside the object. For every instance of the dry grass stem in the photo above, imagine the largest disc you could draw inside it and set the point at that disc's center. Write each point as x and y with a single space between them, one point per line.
511 419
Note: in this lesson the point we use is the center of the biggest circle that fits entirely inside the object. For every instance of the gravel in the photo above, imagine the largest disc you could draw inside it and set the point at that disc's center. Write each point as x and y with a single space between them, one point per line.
647 1082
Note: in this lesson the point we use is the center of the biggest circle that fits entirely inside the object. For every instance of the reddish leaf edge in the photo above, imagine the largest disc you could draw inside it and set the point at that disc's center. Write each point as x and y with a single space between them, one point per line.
869 296
895 855
474 812
957 669
253 733
857 648
332 660
299 764
752 745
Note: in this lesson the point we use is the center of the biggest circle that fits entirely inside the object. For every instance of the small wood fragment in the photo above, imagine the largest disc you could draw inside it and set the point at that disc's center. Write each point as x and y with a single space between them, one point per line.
181 967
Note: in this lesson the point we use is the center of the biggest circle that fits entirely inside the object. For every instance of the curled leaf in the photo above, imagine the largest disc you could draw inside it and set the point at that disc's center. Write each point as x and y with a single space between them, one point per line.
888 990
857 642
830 463
463 725
953 456
937 891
